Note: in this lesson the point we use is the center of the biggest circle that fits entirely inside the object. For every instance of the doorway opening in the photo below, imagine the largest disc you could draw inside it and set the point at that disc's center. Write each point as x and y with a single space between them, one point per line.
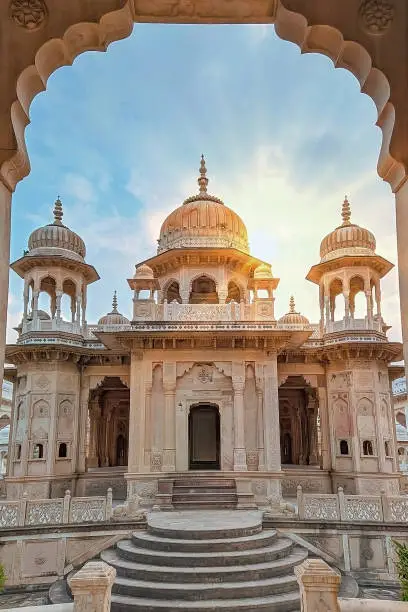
204 437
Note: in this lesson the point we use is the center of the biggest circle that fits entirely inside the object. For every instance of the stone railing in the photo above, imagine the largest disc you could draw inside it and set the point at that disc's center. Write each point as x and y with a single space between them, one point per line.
353 324
319 587
29 512
341 507
202 312
47 325
91 588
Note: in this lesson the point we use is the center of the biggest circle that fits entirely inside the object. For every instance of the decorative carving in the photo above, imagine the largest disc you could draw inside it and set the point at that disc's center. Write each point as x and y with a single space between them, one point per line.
9 514
312 486
41 409
252 460
87 510
376 16
156 461
205 374
363 509
42 382
29 14
46 512
145 490
321 507
399 509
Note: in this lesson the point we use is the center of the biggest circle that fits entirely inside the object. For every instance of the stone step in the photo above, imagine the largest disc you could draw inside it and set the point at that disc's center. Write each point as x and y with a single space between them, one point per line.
127 550
217 524
204 505
204 592
285 602
204 481
205 496
147 540
216 573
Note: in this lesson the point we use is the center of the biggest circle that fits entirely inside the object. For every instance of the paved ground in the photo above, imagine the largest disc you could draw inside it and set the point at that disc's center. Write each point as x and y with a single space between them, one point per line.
23 599
198 520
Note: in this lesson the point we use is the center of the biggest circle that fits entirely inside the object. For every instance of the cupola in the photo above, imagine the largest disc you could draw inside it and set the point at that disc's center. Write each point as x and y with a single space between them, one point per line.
114 317
292 317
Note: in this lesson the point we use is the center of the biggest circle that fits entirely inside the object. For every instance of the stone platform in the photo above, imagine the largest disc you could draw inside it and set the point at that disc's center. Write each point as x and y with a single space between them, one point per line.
197 560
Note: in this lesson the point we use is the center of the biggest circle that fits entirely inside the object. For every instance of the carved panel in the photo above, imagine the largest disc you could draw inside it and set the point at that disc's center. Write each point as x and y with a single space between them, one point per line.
9 514
376 16
29 14
363 509
321 507
87 510
45 512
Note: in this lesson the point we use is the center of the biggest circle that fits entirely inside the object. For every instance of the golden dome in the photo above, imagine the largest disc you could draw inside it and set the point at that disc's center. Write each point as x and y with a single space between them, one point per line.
263 271
56 236
203 221
292 317
114 317
347 239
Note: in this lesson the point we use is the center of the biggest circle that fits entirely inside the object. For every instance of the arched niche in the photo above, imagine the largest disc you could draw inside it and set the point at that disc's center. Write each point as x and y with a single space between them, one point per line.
203 290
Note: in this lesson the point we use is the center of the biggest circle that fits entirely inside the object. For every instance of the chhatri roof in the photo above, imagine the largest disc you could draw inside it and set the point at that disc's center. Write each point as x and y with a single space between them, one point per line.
203 220
44 240
292 317
114 317
347 239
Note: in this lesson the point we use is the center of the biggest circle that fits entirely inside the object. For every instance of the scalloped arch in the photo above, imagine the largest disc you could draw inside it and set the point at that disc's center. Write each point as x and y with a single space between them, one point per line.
116 25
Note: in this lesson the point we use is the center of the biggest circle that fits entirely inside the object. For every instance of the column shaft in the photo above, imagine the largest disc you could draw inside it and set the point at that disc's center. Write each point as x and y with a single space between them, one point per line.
5 225
240 463
137 414
169 451
271 417
401 201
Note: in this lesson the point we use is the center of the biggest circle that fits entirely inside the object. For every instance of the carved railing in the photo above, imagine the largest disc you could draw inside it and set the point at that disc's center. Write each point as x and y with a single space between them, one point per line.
354 508
354 324
29 512
202 312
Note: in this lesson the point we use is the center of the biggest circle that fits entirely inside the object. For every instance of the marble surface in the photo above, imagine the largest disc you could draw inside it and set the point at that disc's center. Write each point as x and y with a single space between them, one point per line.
198 520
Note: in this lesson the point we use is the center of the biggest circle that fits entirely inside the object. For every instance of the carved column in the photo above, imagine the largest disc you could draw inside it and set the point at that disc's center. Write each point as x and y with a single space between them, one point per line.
169 451
324 428
240 464
148 426
260 426
94 415
107 438
82 425
36 295
312 422
137 413
271 419
401 202
58 297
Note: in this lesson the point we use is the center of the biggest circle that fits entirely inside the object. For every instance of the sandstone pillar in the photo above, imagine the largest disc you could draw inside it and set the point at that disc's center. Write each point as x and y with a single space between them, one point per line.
83 424
137 414
92 587
5 227
326 459
94 416
271 420
148 426
319 586
240 463
169 451
401 200
260 428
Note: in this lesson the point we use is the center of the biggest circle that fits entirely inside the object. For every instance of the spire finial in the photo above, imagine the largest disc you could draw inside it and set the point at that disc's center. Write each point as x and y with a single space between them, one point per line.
115 302
292 304
202 179
346 212
58 212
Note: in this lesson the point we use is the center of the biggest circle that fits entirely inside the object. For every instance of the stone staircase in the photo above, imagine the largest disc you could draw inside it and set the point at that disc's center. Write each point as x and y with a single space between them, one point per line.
205 561
202 492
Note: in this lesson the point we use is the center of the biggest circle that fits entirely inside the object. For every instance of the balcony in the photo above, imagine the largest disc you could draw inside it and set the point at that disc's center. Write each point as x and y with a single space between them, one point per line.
354 325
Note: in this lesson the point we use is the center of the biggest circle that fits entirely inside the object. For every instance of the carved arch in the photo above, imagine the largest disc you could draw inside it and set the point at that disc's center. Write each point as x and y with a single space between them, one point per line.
201 275
116 25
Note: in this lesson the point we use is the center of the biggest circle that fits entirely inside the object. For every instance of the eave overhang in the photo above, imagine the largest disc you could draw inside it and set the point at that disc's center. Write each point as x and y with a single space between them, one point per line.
25 264
376 262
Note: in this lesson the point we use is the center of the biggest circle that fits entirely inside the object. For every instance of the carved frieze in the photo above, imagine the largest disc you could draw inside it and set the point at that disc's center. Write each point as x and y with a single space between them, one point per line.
211 9
29 14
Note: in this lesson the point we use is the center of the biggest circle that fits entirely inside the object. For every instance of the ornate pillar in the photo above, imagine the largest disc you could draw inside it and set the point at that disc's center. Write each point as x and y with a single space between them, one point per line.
137 413
83 304
185 296
327 309
378 297
238 385
36 295
260 425
222 294
312 422
324 428
148 426
106 441
58 297
401 202
346 305
94 415
169 450
369 299
271 421
5 224
25 300
73 309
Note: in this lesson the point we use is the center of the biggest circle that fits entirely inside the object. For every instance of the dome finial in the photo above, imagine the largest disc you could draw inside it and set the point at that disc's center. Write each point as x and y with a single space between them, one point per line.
346 212
115 302
202 179
292 304
58 212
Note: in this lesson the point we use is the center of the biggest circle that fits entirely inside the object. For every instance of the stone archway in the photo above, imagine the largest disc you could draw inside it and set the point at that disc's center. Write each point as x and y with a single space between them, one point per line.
40 38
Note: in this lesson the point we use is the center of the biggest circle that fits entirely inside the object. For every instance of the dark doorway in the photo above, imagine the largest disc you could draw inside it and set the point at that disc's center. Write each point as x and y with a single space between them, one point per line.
204 437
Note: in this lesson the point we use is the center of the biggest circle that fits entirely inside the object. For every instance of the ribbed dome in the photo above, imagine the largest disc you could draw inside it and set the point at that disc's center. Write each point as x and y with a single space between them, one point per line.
347 239
263 271
114 317
56 235
203 221
292 317
144 272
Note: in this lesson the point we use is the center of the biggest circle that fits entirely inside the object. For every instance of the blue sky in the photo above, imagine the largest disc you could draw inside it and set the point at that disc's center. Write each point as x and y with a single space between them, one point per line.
119 137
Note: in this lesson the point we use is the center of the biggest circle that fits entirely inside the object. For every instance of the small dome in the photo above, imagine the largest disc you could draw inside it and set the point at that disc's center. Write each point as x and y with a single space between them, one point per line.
114 317
43 316
292 317
56 236
144 272
347 239
203 221
263 271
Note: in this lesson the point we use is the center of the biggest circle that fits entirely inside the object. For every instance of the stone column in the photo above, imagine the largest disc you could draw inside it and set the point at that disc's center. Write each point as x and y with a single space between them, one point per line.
312 417
346 305
58 304
319 586
369 299
240 463
137 413
107 440
260 426
94 414
401 201
92 587
324 429
169 450
36 295
25 301
81 426
5 224
271 420
148 426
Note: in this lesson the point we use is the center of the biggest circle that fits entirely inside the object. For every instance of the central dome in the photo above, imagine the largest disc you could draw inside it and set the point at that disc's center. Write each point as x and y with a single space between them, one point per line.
203 221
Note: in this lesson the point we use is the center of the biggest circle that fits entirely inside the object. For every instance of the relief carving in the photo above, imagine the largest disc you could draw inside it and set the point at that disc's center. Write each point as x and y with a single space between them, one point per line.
42 382
206 8
376 16
29 14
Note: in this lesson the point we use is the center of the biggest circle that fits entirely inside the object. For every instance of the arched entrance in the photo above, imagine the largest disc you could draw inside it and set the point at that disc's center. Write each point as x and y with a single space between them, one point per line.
204 437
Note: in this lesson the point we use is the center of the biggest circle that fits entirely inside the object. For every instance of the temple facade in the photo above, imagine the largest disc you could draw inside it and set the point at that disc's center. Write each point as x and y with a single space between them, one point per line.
205 380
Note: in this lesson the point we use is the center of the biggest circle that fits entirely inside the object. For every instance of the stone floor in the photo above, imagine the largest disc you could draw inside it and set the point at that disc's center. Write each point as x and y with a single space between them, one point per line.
20 600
